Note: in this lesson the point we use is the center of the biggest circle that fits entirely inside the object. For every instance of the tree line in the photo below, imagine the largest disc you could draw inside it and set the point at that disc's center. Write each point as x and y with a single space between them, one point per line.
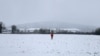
15 30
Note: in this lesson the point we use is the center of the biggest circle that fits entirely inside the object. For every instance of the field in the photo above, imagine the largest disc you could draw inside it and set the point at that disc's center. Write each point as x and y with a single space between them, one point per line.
42 45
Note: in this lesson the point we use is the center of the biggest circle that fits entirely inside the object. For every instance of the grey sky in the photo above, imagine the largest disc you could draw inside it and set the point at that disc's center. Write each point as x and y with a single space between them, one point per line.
85 12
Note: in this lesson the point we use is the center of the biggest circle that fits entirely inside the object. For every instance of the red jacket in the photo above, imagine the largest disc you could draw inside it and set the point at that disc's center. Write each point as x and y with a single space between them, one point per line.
51 34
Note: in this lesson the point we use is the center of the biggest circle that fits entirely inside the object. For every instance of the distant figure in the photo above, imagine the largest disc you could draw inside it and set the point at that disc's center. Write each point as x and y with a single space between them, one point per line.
52 34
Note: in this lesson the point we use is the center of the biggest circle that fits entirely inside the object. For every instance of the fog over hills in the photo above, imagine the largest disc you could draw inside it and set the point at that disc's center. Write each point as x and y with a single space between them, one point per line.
57 25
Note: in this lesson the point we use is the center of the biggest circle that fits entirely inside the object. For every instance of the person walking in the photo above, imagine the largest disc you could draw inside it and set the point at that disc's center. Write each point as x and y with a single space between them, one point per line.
52 34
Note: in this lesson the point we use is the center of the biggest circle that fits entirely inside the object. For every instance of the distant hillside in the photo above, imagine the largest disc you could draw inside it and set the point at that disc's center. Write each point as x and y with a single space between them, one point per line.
83 28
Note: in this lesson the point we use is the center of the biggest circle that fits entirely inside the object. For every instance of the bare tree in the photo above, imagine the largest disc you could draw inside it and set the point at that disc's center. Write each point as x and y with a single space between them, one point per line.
1 27
14 28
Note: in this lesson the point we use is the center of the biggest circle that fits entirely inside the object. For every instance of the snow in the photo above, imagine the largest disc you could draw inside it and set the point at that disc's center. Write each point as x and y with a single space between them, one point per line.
32 29
42 45
71 29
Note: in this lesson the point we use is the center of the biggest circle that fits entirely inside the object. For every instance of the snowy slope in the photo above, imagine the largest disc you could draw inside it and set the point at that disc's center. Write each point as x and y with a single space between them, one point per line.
42 45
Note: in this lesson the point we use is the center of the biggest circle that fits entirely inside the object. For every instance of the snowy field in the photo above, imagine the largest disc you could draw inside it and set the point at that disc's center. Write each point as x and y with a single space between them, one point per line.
42 45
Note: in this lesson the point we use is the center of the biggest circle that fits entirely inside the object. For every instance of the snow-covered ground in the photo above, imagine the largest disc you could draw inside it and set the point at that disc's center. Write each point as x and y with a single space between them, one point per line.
42 45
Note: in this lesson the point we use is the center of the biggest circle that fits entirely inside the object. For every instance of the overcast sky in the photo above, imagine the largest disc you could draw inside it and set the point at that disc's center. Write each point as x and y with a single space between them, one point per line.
85 12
